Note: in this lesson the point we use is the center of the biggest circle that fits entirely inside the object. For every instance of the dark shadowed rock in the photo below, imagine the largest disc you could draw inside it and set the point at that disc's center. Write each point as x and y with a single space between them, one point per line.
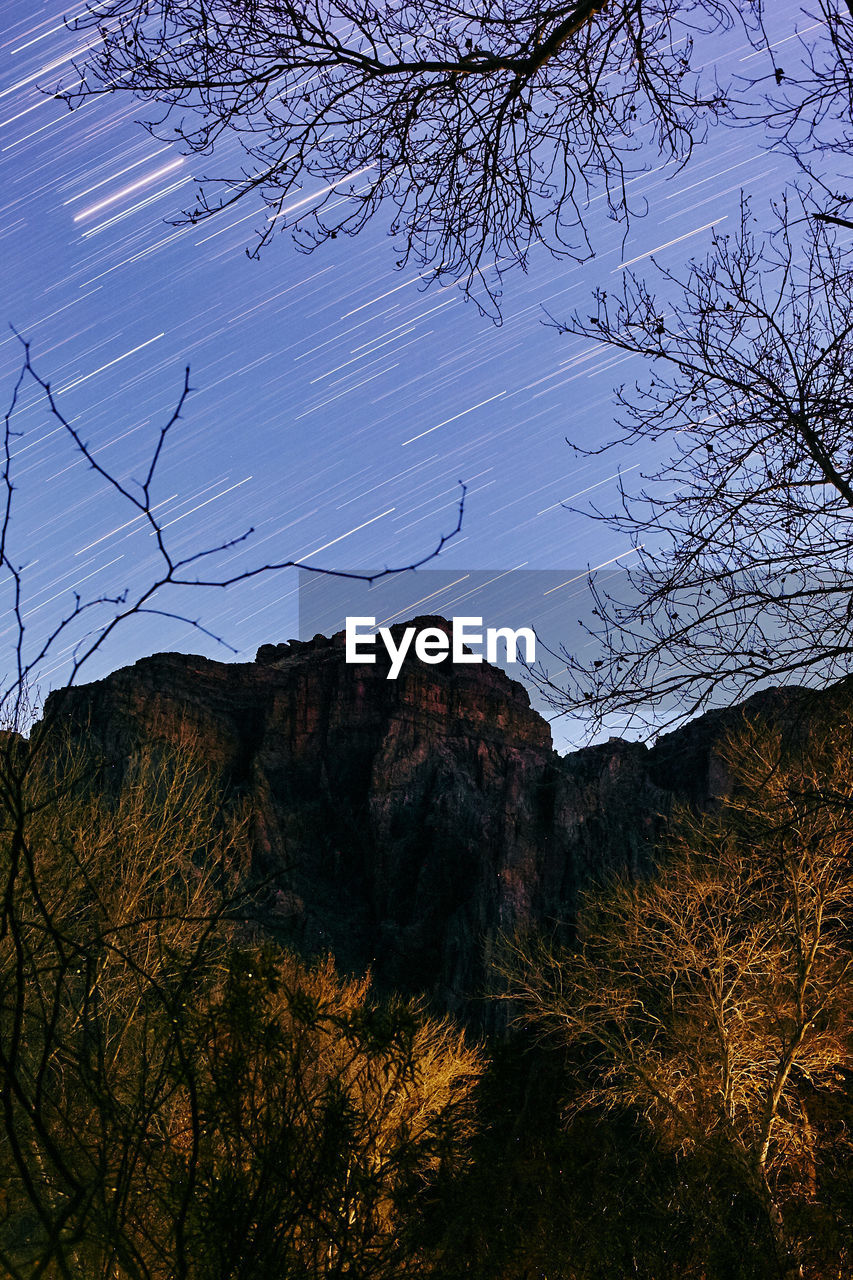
403 823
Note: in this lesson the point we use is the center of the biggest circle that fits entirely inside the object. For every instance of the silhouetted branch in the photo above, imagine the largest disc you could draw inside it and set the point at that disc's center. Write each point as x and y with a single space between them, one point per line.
744 554
834 219
171 572
482 128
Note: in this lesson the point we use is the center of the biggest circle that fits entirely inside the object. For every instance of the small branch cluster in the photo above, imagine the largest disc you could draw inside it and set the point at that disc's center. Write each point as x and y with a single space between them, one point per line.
171 573
745 538
483 128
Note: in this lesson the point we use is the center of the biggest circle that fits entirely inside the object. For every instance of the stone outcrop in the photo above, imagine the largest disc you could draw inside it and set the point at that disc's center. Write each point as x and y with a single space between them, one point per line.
401 824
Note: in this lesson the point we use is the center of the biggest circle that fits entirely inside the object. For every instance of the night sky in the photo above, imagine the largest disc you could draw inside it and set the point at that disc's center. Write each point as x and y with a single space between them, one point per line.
336 404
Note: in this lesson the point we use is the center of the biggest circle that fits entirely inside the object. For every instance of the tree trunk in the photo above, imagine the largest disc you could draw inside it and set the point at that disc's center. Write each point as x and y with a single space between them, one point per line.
787 1260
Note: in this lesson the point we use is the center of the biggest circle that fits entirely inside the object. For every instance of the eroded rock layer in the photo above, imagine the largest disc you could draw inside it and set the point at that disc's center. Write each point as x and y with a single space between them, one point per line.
401 824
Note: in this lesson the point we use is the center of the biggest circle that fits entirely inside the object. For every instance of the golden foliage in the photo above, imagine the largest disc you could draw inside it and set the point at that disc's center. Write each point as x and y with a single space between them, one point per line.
176 1101
716 996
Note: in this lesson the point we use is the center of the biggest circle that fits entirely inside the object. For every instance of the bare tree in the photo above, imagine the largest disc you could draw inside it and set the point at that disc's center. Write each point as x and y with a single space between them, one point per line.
715 998
744 539
176 1101
482 127
89 623
810 107
115 922
112 916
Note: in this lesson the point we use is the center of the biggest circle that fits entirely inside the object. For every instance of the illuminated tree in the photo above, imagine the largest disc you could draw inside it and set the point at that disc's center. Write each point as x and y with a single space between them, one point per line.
177 1102
715 998
326 1116
114 924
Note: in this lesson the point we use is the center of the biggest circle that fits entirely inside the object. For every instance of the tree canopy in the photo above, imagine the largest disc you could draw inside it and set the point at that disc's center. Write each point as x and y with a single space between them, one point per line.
714 999
483 129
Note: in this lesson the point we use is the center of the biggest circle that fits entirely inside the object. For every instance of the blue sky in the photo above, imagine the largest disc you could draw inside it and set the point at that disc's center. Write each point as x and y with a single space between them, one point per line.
336 404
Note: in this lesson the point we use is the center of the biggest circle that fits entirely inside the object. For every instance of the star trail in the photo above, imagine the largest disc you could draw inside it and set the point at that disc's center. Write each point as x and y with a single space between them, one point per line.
336 402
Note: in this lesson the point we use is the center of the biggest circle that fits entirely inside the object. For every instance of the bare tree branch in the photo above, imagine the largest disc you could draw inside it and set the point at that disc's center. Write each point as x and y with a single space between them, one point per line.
745 538
482 128
170 574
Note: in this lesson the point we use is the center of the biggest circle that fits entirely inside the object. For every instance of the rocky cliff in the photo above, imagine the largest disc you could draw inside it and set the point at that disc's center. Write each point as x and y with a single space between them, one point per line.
402 823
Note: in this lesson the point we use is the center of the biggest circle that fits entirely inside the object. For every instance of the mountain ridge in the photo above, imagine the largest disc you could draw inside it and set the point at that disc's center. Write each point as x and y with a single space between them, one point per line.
405 824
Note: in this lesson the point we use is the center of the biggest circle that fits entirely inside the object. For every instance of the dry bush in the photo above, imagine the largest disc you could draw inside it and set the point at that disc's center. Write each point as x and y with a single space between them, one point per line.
326 1116
715 998
114 921
176 1101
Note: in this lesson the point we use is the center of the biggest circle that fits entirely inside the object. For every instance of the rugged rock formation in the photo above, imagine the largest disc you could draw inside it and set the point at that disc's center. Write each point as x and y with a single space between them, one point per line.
403 823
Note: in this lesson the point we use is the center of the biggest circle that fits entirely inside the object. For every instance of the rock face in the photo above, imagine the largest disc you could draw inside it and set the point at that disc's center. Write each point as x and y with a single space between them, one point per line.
402 824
